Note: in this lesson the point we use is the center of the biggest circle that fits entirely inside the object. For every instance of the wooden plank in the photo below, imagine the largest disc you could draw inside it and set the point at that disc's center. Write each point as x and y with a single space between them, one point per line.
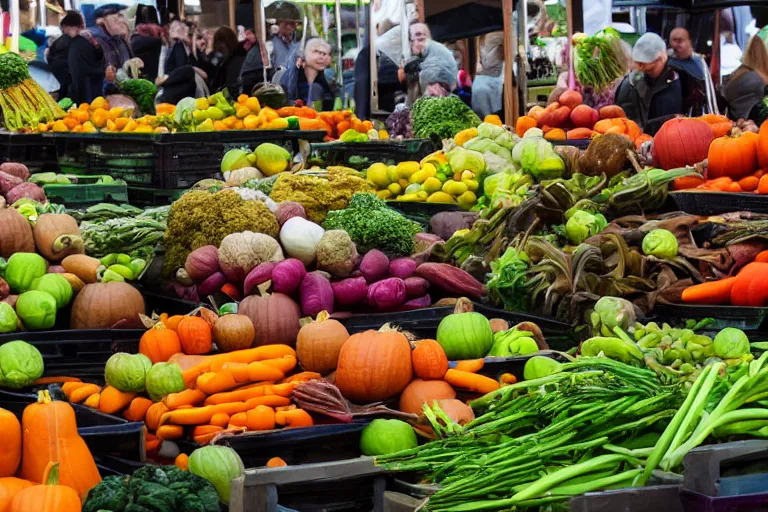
511 101
232 10
420 10
311 472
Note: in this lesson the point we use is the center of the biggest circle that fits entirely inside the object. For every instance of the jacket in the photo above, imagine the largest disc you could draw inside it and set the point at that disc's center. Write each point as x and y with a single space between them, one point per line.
148 49
58 60
226 75
86 67
294 83
116 49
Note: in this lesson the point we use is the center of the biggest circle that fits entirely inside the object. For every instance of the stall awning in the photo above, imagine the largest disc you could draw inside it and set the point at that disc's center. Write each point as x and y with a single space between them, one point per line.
465 20
688 5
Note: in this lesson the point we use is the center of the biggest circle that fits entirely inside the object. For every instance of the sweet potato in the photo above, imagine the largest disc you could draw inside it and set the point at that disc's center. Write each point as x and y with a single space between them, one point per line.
451 279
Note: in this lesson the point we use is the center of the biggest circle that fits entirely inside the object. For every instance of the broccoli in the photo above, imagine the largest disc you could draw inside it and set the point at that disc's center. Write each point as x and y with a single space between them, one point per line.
442 116
373 225
201 218
143 93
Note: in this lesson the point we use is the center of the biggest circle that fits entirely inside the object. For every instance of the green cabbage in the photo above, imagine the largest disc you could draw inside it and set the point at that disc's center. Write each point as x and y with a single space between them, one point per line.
497 134
37 310
56 285
164 379
382 437
488 145
731 343
536 156
22 269
9 322
461 159
660 243
615 312
21 364
126 372
219 465
540 366
583 225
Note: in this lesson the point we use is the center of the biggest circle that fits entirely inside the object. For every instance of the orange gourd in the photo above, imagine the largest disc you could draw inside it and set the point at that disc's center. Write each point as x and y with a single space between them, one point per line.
429 360
173 321
721 125
10 455
16 235
420 392
457 410
682 142
524 123
233 332
319 343
159 343
51 496
195 335
57 236
102 305
13 485
374 365
734 156
50 435
762 146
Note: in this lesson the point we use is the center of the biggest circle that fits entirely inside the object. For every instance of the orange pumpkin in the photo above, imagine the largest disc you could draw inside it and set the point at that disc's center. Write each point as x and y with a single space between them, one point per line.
50 435
734 156
195 335
319 343
374 366
429 360
102 305
420 392
159 343
682 142
173 321
233 332
9 487
16 235
524 123
721 125
10 455
762 146
51 496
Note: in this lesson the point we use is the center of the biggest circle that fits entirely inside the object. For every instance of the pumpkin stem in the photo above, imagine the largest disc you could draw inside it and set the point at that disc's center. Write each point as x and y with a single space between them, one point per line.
264 288
68 242
51 474
463 305
305 321
322 316
150 323
43 397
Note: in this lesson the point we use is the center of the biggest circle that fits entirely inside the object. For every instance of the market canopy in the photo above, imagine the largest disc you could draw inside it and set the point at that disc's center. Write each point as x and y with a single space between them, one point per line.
686 4
452 20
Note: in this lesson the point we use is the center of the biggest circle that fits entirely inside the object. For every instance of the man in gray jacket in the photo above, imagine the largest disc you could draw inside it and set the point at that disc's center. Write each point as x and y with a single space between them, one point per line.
681 55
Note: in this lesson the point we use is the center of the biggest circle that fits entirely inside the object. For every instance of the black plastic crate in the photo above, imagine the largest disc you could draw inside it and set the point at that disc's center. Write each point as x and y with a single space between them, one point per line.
148 197
494 367
30 149
745 318
716 203
360 155
159 302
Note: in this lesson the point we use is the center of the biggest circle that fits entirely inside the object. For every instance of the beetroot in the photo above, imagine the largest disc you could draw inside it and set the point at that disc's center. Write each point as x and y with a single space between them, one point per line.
261 273
350 291
374 266
287 276
421 302
212 284
316 294
8 182
26 190
202 263
289 209
415 287
402 267
387 294
15 169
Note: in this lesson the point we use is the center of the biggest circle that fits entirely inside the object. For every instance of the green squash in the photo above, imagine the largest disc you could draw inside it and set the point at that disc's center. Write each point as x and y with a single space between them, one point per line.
37 310
382 437
23 268
219 465
465 336
56 285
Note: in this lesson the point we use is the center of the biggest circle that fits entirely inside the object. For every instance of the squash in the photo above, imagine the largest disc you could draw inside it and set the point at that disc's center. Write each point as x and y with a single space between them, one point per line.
457 410
233 332
51 496
420 392
10 486
10 455
318 344
195 336
465 334
102 305
682 142
16 235
159 343
84 267
734 156
374 365
720 124
275 318
762 147
57 236
429 360
50 435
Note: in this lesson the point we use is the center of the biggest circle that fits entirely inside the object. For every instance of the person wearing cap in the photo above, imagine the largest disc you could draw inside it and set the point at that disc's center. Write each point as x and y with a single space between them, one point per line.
305 80
681 55
284 43
112 32
656 91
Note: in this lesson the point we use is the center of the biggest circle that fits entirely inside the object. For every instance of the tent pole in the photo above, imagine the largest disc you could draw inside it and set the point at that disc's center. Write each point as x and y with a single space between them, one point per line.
716 64
43 22
232 10
420 11
374 65
339 50
15 25
358 7
511 100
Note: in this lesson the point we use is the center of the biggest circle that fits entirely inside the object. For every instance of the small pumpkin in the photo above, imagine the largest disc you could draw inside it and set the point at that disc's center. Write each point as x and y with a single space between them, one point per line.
762 147
457 410
420 392
159 343
233 332
102 305
465 334
682 142
10 455
374 365
720 124
195 335
16 235
429 360
51 496
319 343
50 435
10 486
734 156
275 318
57 236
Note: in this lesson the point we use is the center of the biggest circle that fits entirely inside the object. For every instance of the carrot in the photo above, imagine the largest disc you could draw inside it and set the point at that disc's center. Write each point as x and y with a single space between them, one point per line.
216 382
93 401
113 400
239 371
285 364
261 417
734 187
54 380
749 183
302 377
293 419
137 409
270 400
190 376
151 442
470 365
711 292
203 415
286 408
69 387
169 432
257 370
276 462
762 257
238 395
762 185
186 397
470 381
182 461
220 419
688 182
154 415
248 355
83 392
238 420
202 430
285 389
507 378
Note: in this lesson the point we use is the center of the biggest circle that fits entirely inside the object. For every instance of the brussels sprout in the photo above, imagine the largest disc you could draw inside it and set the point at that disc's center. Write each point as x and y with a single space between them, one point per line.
660 243
730 343
21 364
9 322
615 312
583 225
164 379
126 372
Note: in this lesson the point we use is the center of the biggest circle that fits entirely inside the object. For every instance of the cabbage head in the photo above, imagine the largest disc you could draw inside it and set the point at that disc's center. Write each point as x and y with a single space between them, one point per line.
9 322
219 465
660 243
616 312
583 225
536 156
731 343
163 379
56 285
126 372
23 268
538 367
497 134
488 146
461 159
21 364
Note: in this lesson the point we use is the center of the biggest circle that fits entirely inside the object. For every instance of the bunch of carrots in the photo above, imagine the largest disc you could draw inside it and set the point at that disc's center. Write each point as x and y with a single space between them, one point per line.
243 390
744 289
756 183
332 123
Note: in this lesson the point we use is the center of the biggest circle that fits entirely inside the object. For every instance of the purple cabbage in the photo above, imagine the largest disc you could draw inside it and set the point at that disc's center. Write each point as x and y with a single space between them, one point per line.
287 276
316 294
387 294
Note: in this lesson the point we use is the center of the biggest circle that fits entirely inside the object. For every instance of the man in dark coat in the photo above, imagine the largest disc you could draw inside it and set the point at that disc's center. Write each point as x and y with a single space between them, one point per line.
58 54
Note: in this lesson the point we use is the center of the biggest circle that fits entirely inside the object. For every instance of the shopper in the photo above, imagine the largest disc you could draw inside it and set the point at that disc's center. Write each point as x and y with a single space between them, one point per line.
305 79
147 40
655 91
682 56
746 88
58 53
111 32
225 62
252 72
181 50
284 44
432 71
489 82
86 68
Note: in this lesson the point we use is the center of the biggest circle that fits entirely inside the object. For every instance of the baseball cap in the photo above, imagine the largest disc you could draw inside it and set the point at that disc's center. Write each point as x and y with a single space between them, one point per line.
106 10
648 48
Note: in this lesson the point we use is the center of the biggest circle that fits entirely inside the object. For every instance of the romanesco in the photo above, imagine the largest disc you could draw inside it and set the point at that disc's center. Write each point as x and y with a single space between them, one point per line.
373 225
442 116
